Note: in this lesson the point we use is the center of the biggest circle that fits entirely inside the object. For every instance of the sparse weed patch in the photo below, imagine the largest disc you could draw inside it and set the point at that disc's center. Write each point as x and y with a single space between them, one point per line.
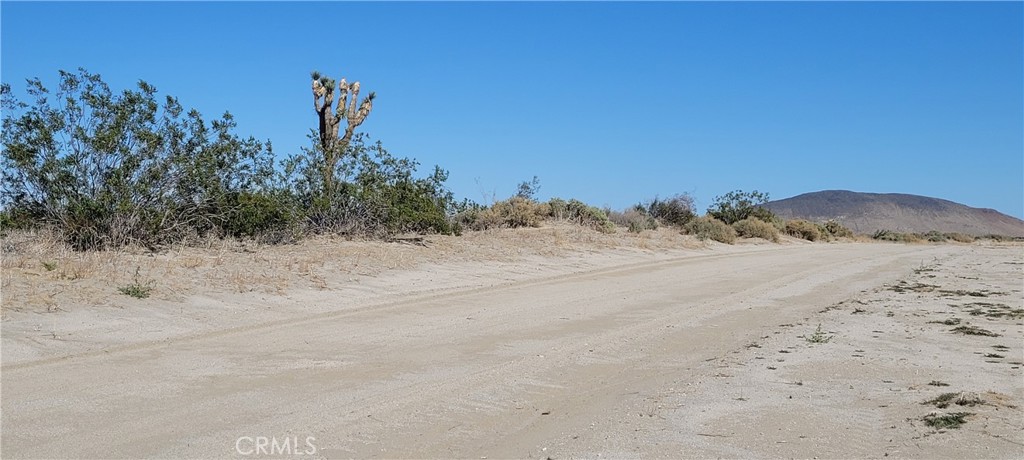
938 383
994 310
973 330
965 293
960 399
943 421
960 237
137 288
903 286
947 322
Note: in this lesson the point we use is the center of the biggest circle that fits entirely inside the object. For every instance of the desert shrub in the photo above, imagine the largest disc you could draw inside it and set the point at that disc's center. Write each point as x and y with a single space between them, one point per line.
960 237
373 194
707 227
105 169
676 210
559 208
588 216
466 215
265 216
888 235
511 213
738 205
837 230
803 229
108 169
934 237
756 228
634 220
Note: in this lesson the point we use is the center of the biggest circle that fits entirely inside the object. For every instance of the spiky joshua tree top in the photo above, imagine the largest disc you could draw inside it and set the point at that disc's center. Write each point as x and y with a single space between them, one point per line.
330 116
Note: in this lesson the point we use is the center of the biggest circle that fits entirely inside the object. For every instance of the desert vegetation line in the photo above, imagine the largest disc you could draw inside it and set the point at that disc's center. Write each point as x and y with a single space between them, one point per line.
105 169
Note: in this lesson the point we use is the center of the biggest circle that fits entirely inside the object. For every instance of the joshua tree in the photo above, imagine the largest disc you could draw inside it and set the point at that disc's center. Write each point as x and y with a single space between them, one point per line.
332 146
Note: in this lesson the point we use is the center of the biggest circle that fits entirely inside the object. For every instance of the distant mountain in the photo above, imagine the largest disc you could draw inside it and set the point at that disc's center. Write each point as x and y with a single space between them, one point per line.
868 212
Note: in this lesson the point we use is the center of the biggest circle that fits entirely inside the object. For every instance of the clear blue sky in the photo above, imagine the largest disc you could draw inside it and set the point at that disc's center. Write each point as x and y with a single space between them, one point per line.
611 103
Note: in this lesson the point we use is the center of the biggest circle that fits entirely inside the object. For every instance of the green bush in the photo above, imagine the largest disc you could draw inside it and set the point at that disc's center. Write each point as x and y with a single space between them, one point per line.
756 228
676 210
803 229
707 227
589 216
738 205
559 208
106 169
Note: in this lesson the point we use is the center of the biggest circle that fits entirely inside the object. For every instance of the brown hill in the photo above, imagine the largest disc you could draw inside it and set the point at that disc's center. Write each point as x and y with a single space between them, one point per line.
868 212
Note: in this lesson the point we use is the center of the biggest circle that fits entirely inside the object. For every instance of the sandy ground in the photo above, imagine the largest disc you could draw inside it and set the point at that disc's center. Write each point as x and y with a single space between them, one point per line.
553 342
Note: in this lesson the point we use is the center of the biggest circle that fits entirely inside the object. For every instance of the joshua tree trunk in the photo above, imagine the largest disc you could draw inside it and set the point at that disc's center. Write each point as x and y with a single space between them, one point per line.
334 147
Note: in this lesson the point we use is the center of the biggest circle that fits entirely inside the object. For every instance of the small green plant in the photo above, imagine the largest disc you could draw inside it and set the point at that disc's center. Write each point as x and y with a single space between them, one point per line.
49 266
943 421
137 288
676 210
819 336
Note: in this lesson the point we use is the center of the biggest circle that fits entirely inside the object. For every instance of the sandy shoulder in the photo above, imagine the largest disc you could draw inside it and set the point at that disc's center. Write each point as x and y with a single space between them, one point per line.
547 343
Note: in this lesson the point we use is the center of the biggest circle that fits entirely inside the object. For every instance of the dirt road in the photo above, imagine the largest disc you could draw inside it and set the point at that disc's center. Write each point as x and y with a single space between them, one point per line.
627 361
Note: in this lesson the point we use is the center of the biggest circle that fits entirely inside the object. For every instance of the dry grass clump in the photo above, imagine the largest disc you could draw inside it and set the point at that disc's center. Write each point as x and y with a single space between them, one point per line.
709 228
888 235
960 237
634 220
514 212
756 228
803 229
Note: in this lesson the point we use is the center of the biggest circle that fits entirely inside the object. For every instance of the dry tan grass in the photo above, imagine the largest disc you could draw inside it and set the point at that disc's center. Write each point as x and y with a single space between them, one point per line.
211 265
